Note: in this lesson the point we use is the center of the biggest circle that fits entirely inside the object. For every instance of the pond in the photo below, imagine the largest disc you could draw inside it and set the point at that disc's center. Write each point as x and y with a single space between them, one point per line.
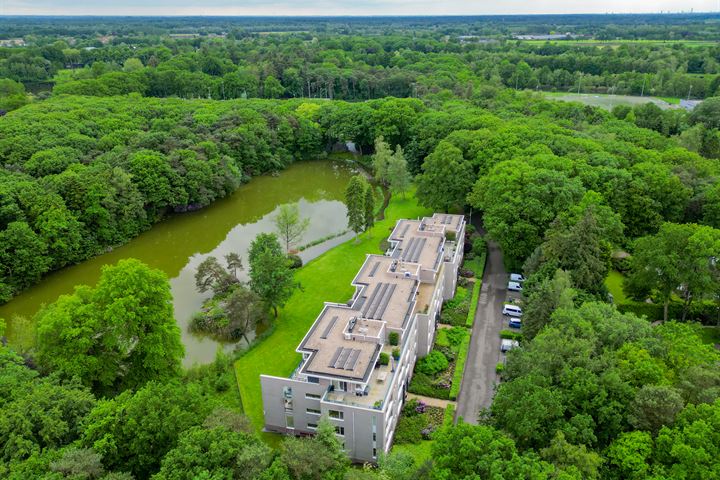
178 244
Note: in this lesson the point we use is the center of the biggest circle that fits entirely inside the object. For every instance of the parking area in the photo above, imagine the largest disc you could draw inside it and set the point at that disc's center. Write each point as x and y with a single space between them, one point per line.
480 377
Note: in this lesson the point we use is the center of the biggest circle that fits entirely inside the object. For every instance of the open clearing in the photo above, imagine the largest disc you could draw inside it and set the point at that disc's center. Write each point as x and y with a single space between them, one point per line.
609 101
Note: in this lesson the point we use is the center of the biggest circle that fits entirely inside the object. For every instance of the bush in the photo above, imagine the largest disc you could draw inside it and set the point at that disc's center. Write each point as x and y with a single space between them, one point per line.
510 335
469 229
427 386
441 338
394 338
499 368
479 246
622 265
295 261
454 336
450 236
396 353
409 429
384 359
433 363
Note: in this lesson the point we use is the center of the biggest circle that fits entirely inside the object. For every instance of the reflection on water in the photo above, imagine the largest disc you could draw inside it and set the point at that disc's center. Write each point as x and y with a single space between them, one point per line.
180 243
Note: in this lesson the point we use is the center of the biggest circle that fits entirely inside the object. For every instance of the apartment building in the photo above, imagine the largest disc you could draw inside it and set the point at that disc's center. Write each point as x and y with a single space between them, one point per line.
393 314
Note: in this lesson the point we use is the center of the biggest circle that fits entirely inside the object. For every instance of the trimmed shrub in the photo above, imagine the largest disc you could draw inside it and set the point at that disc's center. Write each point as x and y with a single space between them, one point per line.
459 368
295 261
473 304
394 338
433 363
510 335
384 359
499 368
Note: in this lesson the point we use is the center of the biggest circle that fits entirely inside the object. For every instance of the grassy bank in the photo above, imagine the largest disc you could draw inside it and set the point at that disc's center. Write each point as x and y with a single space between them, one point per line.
327 278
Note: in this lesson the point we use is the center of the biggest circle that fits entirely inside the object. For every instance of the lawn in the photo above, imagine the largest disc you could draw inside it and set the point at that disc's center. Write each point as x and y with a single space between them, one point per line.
327 278
614 283
421 452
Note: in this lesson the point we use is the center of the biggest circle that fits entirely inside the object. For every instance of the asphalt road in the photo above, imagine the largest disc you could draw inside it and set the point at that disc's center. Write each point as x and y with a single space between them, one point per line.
479 379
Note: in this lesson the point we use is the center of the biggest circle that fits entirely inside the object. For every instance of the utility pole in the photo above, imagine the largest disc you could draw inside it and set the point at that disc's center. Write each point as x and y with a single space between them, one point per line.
689 92
642 92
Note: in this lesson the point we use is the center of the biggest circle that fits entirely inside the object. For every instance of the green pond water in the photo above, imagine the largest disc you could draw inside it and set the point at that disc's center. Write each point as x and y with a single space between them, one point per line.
178 244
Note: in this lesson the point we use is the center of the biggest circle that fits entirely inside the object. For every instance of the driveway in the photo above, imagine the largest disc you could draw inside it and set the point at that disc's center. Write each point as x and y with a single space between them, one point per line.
479 379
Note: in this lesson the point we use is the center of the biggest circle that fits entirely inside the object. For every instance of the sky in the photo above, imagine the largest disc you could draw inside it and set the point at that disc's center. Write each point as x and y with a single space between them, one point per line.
346 7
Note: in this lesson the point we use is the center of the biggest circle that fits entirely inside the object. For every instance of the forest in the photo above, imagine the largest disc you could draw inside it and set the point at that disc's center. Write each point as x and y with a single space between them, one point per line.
136 132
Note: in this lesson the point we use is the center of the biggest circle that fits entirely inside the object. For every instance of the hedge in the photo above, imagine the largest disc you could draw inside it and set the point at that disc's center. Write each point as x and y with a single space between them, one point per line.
459 368
449 417
473 303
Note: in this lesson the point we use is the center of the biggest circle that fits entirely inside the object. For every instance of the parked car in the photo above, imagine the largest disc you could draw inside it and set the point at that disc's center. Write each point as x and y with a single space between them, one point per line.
514 286
517 277
512 310
515 323
506 345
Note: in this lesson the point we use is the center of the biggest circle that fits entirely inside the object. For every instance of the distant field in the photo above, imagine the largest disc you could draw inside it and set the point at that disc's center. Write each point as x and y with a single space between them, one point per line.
609 101
617 43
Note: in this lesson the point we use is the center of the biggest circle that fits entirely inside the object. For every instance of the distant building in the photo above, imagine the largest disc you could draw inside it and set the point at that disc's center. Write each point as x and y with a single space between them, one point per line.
105 39
475 39
358 357
551 36
12 42
184 36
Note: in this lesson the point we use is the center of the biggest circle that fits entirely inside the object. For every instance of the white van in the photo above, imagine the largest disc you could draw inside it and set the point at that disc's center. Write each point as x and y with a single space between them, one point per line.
514 286
512 310
517 277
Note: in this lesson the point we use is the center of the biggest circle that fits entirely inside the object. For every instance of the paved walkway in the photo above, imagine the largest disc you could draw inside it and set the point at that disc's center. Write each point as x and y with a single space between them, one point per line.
433 402
479 379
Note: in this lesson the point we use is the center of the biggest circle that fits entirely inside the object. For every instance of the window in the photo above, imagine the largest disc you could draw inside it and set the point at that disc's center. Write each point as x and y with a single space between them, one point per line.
289 421
374 438
313 411
340 431
312 426
336 414
313 380
312 396
374 452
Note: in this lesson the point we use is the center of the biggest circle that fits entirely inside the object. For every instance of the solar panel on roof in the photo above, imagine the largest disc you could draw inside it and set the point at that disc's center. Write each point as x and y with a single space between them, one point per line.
404 230
383 305
376 301
344 354
371 298
335 356
418 250
352 360
408 248
328 328
374 269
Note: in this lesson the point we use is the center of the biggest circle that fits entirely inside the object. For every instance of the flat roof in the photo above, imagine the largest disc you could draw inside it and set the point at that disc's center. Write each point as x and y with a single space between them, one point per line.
345 340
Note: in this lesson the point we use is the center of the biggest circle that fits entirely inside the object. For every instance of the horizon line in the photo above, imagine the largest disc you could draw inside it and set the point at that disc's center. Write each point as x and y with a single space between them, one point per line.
115 15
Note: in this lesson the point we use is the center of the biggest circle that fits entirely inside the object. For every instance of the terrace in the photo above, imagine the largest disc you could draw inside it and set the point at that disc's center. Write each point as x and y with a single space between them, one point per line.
376 391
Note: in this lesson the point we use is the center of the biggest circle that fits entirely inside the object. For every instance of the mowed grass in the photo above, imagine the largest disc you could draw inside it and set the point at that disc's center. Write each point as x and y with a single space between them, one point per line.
421 452
614 283
327 278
